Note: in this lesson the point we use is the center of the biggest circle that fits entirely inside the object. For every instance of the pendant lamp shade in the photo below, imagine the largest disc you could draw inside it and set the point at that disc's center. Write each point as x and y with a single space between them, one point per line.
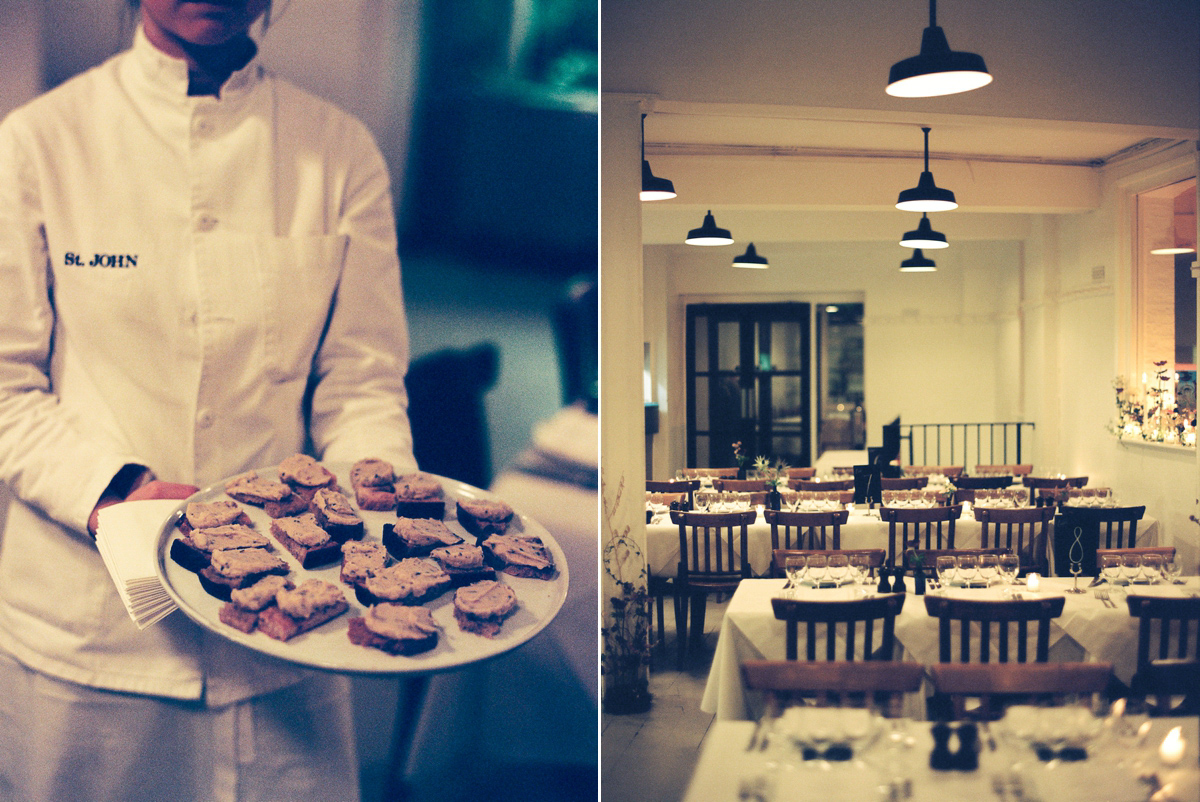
937 70
924 236
653 187
751 259
926 196
918 263
709 234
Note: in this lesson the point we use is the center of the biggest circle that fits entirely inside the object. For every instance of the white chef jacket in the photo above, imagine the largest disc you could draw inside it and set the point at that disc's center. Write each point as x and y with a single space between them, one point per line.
175 272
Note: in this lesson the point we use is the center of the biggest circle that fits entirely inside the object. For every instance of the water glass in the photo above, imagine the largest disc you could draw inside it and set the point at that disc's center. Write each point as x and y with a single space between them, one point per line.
794 567
1131 568
947 570
1009 566
1152 568
838 568
1110 568
989 568
860 568
817 565
1171 570
968 568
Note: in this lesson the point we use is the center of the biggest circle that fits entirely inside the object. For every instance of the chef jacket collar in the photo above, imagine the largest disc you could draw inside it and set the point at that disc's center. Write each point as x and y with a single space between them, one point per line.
171 74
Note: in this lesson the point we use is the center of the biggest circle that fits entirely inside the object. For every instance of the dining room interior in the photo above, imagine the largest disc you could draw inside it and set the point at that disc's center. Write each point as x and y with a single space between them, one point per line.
1048 329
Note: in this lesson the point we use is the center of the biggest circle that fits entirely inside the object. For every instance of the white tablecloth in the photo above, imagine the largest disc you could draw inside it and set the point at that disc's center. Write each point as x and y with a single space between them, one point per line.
1108 774
1086 630
863 530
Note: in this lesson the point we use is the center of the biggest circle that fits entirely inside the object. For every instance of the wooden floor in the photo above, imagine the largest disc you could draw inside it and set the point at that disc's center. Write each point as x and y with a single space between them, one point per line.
650 756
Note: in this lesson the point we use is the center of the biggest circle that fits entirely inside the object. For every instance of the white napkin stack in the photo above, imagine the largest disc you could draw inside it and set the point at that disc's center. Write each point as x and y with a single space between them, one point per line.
127 537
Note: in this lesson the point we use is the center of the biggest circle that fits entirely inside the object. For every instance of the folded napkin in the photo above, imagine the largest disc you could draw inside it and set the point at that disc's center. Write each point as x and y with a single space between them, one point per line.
127 536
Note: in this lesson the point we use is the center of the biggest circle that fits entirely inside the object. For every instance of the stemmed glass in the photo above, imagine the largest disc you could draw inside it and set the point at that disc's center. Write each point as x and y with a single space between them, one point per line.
794 568
989 568
1152 565
837 568
817 564
1171 570
968 568
946 567
1110 568
1131 567
860 568
1009 566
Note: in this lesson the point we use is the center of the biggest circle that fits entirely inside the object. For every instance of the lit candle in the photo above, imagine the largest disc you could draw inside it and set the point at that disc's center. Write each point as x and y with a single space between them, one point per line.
1171 750
1033 582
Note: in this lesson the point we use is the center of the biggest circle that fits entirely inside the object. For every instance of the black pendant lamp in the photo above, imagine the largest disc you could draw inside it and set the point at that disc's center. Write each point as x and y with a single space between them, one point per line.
924 236
709 234
937 70
918 263
926 196
653 187
751 259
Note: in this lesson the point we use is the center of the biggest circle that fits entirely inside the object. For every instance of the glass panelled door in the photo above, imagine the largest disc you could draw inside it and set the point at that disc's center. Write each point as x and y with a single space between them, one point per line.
748 382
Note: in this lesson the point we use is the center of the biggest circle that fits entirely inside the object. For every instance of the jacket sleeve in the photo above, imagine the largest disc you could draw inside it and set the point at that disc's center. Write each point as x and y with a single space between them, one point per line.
48 456
359 401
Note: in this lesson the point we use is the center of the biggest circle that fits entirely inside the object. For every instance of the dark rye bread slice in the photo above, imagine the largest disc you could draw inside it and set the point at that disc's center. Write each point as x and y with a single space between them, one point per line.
305 476
310 604
362 559
207 514
304 538
336 515
239 568
416 537
414 580
519 556
463 563
395 629
250 488
419 496
193 550
483 517
481 607
244 605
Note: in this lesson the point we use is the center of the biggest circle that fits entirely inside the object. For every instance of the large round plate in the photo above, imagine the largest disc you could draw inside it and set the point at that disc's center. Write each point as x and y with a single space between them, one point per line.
327 646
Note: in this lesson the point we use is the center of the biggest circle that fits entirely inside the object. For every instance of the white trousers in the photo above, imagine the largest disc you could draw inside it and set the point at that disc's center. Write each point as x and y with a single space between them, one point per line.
60 741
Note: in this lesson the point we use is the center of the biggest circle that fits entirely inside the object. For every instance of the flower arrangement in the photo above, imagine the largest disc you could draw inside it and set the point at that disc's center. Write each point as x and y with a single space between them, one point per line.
1157 416
741 456
625 661
775 475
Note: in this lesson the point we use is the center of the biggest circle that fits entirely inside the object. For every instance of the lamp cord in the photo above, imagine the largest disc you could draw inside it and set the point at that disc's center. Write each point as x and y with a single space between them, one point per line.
926 130
932 13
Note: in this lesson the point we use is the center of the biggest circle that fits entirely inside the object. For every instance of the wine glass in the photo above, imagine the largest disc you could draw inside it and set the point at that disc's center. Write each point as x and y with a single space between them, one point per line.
1131 568
1110 568
860 568
1171 570
1152 565
989 568
817 565
1009 566
837 568
793 568
968 568
947 569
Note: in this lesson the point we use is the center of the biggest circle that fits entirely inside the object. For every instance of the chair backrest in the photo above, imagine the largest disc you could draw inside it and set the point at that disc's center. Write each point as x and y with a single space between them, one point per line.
713 548
1168 652
842 470
1005 614
801 473
806 530
919 528
739 485
997 685
1021 469
1098 528
822 485
686 486
1022 530
875 557
904 483
832 682
1054 481
849 613
697 473
997 482
949 471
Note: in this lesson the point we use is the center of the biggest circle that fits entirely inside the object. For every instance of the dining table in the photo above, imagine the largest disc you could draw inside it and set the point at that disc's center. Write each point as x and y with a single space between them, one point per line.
1091 628
864 529
743 760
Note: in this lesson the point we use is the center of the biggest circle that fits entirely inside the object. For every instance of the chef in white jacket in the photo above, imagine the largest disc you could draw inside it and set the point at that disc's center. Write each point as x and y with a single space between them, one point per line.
198 276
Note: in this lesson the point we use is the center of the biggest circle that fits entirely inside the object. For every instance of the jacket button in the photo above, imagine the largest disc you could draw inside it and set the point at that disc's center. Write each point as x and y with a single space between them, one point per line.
206 223
204 418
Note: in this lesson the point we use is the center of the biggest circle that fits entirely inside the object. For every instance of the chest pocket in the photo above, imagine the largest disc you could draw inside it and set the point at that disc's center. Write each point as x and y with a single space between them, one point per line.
270 297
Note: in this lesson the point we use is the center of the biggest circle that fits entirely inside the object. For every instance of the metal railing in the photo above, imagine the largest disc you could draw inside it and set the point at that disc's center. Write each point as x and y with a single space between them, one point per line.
966 444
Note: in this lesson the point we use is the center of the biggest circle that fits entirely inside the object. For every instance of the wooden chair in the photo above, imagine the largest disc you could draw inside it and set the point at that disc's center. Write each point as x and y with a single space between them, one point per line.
849 612
713 558
1051 482
904 483
801 473
949 471
819 485
842 470
809 528
983 482
998 685
1099 528
838 683
1168 652
687 486
919 528
1024 531
1003 613
875 557
1021 469
740 485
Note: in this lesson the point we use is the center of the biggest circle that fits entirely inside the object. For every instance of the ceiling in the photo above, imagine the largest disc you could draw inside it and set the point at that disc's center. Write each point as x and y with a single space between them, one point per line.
773 108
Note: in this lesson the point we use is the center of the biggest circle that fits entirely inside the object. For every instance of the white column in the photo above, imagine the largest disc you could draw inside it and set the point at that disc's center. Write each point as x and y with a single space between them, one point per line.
622 439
